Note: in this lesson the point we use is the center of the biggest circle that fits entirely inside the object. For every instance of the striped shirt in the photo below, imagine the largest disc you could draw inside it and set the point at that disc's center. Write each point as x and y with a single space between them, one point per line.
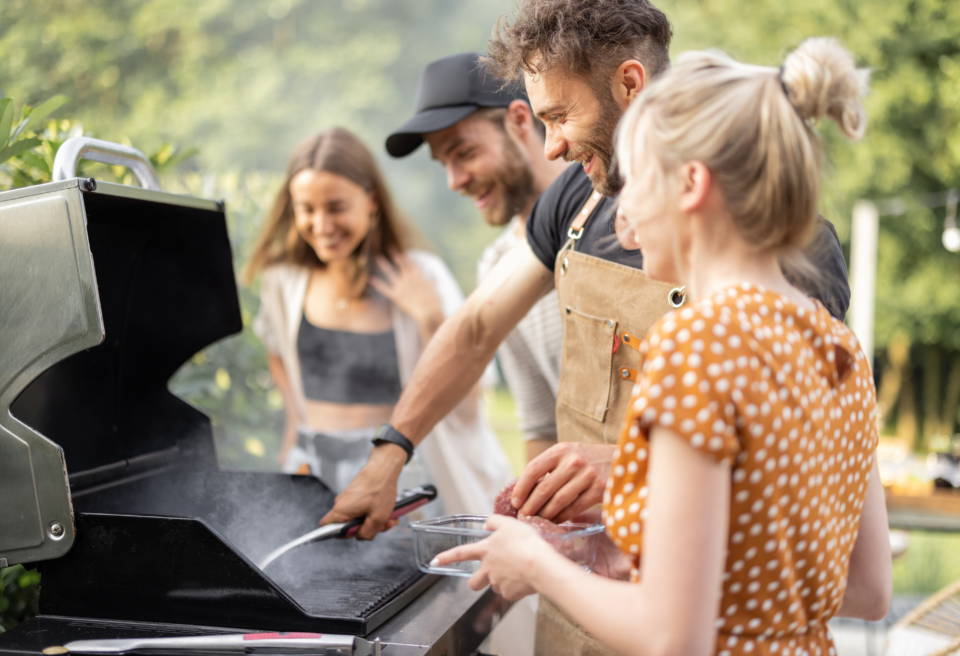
530 355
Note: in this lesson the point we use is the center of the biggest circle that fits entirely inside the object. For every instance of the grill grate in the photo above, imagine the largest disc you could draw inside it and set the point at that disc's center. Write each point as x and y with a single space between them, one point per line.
349 578
354 597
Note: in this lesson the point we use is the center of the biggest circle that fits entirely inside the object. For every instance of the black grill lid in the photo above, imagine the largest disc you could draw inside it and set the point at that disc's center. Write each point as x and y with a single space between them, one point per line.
166 286
152 273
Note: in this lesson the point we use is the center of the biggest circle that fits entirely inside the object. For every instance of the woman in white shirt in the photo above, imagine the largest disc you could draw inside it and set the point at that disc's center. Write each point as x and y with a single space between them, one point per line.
346 309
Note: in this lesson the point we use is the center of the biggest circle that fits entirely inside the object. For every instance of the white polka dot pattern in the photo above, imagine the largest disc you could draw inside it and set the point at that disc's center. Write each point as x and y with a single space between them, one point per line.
786 398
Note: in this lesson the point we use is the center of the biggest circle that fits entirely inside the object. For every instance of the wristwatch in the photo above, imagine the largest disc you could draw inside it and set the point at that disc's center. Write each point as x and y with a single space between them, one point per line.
388 433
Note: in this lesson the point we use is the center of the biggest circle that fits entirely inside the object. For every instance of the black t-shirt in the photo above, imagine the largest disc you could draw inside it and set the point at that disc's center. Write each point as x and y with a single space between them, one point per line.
555 210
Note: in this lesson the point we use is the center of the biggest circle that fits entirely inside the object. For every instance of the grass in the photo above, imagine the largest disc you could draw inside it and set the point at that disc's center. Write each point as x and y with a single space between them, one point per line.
932 561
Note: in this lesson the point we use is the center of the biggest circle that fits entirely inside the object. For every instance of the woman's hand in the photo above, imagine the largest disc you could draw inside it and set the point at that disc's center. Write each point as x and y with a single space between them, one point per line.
511 557
406 287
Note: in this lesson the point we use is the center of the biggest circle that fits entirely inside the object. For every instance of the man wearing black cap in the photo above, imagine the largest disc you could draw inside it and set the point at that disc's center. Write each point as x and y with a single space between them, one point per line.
583 63
485 136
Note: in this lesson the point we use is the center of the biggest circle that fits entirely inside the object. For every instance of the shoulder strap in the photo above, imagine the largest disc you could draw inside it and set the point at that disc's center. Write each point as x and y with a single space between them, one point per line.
575 231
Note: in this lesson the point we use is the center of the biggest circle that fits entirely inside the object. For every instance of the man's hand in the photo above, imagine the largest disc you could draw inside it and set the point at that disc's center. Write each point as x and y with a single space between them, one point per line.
372 494
573 479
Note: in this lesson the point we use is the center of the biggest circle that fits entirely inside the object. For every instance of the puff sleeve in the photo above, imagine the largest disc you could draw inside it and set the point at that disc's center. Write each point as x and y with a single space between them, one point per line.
695 363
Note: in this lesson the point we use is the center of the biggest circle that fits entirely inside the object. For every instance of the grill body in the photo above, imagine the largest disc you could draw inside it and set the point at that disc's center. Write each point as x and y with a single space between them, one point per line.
105 291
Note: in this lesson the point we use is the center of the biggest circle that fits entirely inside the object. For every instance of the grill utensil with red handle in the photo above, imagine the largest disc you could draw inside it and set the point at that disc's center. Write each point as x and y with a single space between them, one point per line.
246 643
408 501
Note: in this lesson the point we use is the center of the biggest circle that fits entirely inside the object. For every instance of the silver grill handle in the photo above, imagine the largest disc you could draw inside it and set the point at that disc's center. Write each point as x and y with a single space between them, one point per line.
76 148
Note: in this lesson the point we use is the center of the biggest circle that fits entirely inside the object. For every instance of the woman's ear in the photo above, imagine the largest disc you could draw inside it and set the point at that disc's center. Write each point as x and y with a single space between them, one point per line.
696 182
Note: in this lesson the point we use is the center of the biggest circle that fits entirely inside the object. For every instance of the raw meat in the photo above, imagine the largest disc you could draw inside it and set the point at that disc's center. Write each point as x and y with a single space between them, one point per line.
501 505
552 532
543 526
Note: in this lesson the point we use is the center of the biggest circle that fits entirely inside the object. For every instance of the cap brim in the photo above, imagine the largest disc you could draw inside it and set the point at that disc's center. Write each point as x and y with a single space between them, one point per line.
410 135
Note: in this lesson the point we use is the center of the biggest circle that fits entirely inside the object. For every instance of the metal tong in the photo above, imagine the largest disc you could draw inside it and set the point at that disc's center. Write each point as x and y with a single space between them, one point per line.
273 643
408 501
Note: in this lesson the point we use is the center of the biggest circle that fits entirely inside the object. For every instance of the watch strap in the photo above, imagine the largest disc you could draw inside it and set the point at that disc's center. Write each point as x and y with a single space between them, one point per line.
388 433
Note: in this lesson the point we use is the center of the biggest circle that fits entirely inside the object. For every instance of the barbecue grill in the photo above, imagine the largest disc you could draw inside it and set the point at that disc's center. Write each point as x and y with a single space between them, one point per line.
110 483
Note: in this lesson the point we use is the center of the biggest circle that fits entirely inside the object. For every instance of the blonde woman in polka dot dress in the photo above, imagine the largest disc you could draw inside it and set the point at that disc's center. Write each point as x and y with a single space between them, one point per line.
745 486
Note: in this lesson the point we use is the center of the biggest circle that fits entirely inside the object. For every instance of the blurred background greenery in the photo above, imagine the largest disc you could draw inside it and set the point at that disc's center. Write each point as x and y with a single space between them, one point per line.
218 93
244 80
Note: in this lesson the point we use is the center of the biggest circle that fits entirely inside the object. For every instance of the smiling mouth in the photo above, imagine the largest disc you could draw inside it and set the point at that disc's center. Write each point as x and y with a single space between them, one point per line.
588 164
332 243
481 201
586 160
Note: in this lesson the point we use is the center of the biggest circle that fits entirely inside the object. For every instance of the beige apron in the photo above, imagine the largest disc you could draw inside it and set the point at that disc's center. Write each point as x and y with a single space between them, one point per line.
607 309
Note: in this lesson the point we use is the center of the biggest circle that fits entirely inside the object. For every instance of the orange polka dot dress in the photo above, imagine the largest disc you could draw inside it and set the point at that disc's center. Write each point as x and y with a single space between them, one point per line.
786 398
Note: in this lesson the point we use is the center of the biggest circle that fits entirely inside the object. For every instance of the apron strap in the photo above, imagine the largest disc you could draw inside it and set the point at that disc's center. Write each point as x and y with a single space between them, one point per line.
575 231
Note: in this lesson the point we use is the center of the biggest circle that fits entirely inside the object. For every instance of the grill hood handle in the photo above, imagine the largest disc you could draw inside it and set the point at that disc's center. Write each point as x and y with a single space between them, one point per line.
75 149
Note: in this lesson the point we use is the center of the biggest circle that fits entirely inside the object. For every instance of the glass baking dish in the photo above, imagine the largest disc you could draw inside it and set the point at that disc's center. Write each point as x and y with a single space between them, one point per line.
578 542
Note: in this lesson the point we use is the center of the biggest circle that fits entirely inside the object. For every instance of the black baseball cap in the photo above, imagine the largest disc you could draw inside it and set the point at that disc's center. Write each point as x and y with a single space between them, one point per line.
450 89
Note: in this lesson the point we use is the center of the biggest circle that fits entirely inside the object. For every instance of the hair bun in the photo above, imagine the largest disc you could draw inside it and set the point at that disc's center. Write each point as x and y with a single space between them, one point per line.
821 79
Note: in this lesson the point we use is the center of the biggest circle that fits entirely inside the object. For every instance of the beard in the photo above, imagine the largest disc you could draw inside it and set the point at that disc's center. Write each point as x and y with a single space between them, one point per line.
513 186
605 175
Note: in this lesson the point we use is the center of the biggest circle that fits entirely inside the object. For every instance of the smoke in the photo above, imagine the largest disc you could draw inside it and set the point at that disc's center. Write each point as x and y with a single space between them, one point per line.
256 513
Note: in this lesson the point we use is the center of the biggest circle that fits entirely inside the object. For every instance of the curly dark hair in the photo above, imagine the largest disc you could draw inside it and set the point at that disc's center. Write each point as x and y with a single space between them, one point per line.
581 36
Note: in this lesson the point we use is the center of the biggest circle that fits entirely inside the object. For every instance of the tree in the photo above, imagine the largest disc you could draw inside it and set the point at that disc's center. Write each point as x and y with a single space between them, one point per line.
912 148
245 80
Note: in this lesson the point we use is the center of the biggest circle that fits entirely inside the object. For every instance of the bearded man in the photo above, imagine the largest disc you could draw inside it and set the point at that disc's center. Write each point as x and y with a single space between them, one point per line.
583 63
485 136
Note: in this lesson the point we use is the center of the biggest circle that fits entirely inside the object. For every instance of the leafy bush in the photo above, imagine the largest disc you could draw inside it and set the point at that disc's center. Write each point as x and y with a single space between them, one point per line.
29 146
19 595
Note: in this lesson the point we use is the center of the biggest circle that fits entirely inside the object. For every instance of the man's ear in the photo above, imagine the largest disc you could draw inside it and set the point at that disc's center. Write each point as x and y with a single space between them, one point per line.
696 181
519 120
628 81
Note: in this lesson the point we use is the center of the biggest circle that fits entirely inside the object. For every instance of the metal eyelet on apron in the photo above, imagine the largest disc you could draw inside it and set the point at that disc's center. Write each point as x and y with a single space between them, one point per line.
677 297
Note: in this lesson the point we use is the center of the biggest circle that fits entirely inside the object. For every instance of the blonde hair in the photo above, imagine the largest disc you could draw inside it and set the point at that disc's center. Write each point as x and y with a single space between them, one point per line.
752 126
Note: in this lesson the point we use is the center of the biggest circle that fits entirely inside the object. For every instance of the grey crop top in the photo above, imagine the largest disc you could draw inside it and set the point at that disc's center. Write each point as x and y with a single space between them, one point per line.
344 367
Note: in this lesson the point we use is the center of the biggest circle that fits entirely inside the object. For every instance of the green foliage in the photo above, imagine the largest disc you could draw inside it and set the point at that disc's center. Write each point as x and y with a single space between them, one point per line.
14 138
245 80
27 157
19 595
912 145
